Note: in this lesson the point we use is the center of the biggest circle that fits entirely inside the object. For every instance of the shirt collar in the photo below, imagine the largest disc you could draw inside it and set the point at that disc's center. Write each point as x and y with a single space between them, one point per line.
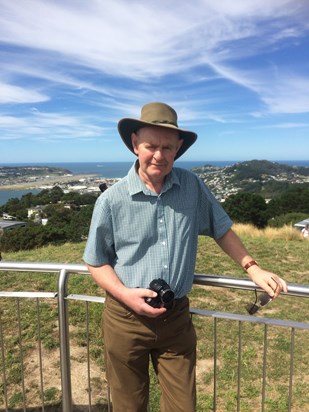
136 185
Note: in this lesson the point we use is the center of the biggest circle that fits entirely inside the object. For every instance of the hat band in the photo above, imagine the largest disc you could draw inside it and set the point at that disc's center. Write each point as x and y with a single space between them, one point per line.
164 122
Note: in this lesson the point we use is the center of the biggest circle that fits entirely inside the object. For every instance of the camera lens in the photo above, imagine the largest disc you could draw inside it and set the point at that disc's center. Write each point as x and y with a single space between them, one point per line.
167 296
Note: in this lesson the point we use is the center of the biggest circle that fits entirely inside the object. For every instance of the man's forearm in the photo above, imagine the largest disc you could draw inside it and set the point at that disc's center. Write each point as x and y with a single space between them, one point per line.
107 279
233 246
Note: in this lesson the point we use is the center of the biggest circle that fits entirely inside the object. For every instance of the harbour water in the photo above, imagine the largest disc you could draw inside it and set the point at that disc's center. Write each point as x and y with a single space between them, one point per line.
115 170
5 195
112 169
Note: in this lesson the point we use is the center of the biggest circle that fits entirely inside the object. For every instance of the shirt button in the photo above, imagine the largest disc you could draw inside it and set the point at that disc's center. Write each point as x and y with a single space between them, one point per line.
165 266
163 243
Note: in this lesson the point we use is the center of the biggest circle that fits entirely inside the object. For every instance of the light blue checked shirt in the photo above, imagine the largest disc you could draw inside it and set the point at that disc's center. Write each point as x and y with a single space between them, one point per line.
145 236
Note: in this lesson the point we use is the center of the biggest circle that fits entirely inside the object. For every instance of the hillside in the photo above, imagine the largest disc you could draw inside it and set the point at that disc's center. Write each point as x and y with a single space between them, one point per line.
257 169
289 263
29 177
267 178
290 252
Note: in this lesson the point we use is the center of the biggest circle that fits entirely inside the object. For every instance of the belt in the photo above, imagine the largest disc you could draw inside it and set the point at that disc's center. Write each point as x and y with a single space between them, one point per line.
174 303
169 306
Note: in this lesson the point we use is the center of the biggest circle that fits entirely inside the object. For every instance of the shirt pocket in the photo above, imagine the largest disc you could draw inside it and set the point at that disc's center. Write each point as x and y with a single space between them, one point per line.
184 205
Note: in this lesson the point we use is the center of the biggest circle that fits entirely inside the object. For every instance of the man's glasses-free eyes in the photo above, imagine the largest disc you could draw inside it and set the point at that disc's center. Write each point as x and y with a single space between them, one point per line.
260 301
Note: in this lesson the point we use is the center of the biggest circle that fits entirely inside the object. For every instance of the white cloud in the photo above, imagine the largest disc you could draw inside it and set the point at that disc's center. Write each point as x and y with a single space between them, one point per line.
280 90
143 39
9 121
73 43
15 94
50 126
289 94
293 125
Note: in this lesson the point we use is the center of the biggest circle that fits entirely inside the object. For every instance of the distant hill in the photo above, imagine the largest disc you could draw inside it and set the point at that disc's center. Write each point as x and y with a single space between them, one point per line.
15 171
256 176
24 177
259 168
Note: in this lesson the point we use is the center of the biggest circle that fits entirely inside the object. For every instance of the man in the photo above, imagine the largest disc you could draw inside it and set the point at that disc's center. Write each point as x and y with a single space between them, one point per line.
146 227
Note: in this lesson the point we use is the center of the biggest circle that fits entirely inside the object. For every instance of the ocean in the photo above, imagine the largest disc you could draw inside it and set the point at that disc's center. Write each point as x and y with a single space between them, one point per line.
115 170
112 169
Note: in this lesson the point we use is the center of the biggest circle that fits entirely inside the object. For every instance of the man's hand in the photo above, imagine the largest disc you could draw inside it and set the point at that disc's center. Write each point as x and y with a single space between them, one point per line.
134 298
268 281
231 244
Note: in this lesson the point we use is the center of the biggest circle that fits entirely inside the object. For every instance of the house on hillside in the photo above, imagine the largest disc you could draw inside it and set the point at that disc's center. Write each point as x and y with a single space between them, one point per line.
6 216
34 211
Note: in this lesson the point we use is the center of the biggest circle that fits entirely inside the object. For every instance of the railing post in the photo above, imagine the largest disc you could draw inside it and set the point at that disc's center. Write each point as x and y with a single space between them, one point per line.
64 343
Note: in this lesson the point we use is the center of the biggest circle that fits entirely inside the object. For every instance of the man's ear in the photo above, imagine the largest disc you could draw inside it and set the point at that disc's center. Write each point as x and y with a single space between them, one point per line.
180 144
134 142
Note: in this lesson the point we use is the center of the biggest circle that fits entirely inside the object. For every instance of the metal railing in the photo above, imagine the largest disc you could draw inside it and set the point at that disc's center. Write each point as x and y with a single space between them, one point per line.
62 297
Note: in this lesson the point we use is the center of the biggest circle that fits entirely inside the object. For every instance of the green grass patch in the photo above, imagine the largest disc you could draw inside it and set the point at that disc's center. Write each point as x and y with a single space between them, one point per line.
287 258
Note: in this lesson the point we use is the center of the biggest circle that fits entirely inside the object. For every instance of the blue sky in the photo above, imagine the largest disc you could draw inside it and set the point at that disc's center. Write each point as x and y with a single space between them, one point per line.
237 73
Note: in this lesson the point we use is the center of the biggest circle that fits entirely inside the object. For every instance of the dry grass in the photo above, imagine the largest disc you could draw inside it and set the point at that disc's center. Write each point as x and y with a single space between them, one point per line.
280 250
287 232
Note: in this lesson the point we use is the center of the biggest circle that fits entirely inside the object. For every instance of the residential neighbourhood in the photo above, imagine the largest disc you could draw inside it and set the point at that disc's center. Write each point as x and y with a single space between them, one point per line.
261 177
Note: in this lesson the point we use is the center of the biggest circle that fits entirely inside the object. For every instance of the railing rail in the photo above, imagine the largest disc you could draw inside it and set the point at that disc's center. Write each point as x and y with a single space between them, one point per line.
61 294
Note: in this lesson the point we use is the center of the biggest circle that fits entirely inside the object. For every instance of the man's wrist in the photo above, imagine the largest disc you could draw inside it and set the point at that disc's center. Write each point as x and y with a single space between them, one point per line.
249 265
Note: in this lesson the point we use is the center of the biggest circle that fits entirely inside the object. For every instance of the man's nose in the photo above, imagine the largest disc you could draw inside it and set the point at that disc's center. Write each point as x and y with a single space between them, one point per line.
158 154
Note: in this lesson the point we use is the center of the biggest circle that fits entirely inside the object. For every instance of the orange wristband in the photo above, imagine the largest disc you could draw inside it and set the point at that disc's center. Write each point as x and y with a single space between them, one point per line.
249 264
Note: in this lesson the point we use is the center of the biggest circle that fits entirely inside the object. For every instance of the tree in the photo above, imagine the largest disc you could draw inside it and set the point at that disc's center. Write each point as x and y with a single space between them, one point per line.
78 228
30 237
247 208
67 221
58 216
296 199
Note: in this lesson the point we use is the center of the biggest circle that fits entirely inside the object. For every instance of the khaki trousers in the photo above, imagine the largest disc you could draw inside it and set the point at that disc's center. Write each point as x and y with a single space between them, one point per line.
131 341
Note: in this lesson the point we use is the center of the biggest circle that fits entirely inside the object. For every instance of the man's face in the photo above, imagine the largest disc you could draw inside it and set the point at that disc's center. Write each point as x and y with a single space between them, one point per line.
156 148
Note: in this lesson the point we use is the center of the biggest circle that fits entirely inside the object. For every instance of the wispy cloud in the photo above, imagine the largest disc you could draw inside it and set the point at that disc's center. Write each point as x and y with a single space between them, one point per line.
15 94
50 126
85 64
288 93
145 40
293 125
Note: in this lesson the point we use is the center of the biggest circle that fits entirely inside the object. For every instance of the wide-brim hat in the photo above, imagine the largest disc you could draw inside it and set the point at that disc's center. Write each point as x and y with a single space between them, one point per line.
155 114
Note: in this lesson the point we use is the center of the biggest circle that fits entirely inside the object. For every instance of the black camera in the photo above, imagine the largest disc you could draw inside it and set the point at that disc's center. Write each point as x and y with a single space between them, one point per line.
165 295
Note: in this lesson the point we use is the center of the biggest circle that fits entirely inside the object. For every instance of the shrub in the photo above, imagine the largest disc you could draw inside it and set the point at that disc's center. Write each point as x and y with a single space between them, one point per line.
247 208
287 219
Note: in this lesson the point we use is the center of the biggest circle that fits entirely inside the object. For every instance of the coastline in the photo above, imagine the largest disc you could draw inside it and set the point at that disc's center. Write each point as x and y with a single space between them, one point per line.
47 181
86 177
